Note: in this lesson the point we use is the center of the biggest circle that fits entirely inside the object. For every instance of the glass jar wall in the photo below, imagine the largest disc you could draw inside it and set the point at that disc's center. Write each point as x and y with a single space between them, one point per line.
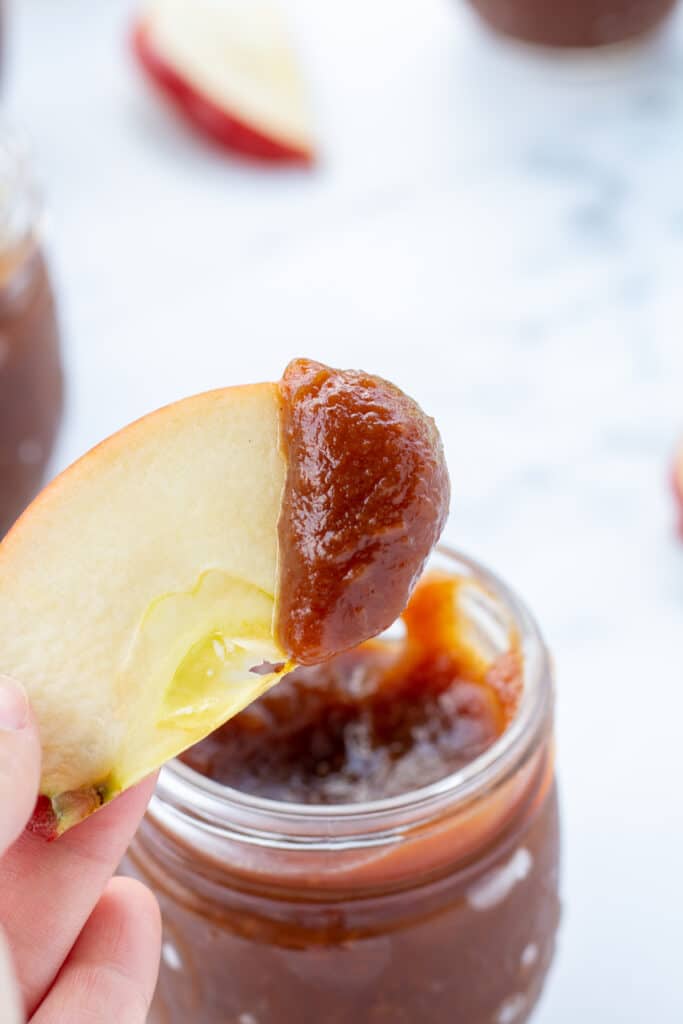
30 372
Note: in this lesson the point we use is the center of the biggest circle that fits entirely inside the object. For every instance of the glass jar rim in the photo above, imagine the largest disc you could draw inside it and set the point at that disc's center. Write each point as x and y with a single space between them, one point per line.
262 821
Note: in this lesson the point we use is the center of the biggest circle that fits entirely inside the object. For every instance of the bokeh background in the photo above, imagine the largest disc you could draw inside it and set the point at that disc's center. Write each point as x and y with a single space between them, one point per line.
499 231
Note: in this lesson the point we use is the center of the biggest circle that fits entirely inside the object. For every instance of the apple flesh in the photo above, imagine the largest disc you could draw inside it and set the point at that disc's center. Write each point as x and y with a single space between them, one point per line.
228 71
161 539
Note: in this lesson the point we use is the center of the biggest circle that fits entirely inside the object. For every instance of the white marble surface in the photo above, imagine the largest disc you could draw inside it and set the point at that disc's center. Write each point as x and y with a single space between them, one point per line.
501 233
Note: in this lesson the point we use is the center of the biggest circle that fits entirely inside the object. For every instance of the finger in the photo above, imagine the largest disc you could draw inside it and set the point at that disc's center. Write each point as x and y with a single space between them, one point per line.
19 761
10 1010
110 974
49 889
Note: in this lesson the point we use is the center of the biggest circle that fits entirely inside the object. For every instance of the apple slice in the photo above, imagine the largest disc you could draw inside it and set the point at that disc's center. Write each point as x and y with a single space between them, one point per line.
155 589
161 540
226 66
677 481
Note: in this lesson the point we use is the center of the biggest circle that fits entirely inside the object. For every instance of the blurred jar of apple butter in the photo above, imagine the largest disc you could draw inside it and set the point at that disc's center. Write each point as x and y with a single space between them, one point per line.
30 372
420 895
574 23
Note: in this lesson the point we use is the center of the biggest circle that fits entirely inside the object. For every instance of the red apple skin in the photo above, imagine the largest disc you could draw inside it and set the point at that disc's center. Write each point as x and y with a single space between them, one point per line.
206 117
43 821
677 482
52 817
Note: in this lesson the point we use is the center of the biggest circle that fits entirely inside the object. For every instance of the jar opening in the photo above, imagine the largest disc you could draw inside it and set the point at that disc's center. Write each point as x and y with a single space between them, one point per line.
495 612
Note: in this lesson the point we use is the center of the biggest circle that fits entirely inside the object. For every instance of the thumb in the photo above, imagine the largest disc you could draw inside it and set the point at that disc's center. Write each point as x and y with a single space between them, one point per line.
19 761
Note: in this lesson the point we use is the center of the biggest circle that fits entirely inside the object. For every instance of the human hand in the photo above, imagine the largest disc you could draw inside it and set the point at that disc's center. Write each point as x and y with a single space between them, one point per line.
84 946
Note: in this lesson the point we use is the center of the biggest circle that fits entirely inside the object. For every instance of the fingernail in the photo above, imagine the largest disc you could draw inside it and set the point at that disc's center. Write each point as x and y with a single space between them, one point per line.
13 705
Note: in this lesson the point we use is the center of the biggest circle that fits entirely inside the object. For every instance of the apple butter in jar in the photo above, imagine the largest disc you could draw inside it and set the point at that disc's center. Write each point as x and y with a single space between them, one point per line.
574 23
376 840
30 372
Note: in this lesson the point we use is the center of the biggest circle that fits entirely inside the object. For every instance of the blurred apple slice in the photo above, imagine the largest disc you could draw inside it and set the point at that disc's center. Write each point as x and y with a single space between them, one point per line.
227 67
677 480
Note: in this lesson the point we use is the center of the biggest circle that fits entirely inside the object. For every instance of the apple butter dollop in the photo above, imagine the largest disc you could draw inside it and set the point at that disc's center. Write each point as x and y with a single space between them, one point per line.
366 497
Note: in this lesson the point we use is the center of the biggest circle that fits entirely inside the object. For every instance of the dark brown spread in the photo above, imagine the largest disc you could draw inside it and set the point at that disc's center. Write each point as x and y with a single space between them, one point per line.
383 719
365 500
574 22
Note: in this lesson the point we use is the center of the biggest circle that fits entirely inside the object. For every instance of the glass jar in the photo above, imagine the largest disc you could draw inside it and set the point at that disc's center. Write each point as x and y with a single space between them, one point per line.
439 905
30 374
574 22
